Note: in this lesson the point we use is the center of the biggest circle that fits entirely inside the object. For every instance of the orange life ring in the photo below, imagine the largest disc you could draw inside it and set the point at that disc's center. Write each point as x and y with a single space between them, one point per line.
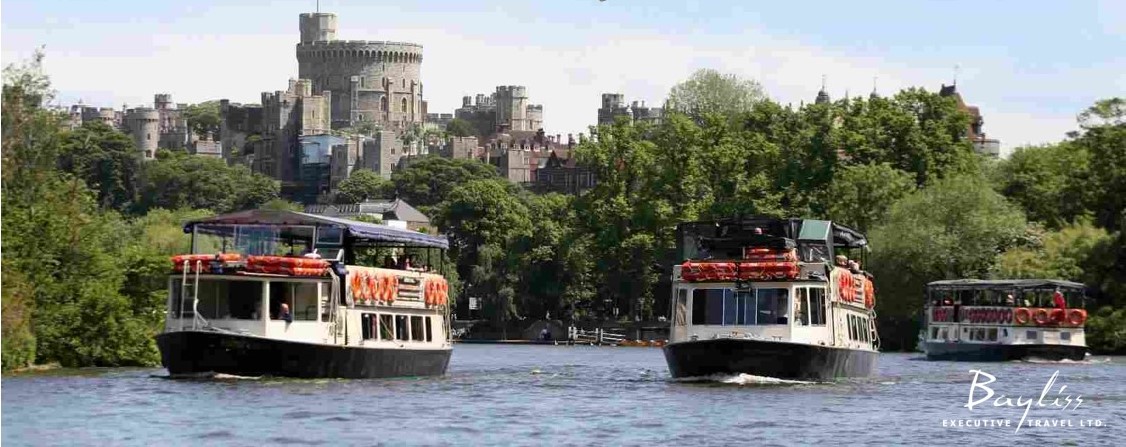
445 291
1041 317
391 284
1077 317
357 286
1057 316
428 293
1022 316
372 289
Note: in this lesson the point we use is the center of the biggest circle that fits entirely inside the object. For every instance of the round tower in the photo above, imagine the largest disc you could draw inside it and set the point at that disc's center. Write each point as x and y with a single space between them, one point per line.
144 125
370 81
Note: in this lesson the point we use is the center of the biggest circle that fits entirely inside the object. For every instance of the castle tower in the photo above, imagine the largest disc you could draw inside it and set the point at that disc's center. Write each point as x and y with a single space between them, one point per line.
317 27
162 101
370 81
144 125
512 107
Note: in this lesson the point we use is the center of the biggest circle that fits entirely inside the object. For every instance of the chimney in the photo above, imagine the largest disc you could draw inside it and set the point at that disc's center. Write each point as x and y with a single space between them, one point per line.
570 141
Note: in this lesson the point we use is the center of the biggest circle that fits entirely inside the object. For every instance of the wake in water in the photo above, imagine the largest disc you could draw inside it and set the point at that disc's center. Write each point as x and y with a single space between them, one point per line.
208 376
743 379
1087 361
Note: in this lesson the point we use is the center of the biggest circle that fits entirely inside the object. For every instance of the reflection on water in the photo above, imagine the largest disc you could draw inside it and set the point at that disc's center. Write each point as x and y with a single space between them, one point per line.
537 395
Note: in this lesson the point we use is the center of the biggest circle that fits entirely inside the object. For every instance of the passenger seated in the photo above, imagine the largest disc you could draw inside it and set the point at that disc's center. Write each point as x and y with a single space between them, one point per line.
842 261
388 262
1010 301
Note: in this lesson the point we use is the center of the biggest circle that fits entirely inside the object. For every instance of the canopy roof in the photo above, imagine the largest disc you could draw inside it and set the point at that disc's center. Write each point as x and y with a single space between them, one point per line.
359 232
1004 284
792 228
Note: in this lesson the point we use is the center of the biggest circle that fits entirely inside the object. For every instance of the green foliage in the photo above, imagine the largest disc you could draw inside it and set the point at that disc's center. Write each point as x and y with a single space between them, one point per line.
709 91
282 205
177 180
203 118
106 160
460 128
17 298
1104 137
953 228
1106 330
362 185
860 195
429 180
1064 254
1049 182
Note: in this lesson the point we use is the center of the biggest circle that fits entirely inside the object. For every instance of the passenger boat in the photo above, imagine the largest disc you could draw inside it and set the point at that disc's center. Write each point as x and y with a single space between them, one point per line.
228 300
995 320
766 297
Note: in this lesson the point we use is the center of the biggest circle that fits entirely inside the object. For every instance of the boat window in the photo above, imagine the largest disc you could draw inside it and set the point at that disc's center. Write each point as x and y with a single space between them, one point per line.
418 331
220 300
429 331
992 334
1065 336
773 306
1004 332
934 333
680 317
367 326
851 328
707 306
300 297
817 306
401 332
863 329
386 327
326 305
801 305
1031 335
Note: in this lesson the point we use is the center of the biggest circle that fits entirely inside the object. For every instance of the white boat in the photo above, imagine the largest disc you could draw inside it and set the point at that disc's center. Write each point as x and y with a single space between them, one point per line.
227 300
761 296
1011 319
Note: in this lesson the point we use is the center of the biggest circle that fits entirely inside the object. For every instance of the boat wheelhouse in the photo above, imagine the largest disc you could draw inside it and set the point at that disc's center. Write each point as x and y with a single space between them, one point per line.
766 297
283 293
996 320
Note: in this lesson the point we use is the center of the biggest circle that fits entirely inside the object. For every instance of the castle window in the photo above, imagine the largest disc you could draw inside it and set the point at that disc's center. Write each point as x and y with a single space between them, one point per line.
383 103
361 81
148 136
404 106
404 83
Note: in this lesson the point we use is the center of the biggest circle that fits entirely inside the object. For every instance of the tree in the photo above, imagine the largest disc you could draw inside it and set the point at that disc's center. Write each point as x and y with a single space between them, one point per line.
860 195
953 228
1064 254
203 118
484 219
709 91
1049 182
106 160
459 128
282 205
176 180
427 181
1103 137
362 185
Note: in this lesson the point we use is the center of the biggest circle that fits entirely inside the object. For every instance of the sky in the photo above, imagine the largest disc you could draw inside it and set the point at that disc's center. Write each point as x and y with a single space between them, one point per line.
1031 66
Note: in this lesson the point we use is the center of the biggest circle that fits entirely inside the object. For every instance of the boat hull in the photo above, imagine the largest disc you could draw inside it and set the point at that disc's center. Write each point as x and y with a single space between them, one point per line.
976 352
767 358
198 352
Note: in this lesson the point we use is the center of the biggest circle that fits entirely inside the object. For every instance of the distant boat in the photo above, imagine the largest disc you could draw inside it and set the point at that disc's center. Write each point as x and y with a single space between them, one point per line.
1012 319
762 296
283 297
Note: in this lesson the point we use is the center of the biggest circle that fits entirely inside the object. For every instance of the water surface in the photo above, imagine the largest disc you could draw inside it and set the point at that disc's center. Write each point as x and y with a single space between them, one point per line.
556 395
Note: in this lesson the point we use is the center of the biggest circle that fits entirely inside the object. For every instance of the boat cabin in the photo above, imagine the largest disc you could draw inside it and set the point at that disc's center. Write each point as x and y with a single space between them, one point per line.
772 279
1014 311
309 278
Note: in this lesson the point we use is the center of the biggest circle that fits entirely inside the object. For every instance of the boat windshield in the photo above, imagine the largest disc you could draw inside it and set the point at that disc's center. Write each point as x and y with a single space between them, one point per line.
258 240
729 307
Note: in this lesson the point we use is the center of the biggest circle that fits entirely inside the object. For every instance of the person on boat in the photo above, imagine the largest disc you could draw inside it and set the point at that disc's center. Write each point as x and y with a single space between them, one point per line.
1057 299
388 262
284 314
1010 301
854 267
312 255
842 261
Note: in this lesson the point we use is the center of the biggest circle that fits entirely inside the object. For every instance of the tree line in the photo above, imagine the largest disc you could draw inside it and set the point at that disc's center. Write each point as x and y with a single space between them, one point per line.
88 228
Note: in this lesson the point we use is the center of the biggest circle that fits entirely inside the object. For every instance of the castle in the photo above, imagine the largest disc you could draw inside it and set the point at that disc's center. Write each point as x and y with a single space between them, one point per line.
162 126
506 109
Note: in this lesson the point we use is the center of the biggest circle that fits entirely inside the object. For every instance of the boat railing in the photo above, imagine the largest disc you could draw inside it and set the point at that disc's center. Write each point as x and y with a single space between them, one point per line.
598 335
197 319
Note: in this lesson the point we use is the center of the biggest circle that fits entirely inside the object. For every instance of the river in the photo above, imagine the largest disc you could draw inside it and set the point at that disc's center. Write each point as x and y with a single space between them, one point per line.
556 395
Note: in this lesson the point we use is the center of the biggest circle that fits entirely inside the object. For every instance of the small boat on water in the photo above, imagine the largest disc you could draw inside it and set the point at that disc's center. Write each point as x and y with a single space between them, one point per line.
997 320
769 297
279 293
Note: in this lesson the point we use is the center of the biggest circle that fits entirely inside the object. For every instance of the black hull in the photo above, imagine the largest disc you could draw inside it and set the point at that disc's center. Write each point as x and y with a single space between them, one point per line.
976 352
780 360
193 352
